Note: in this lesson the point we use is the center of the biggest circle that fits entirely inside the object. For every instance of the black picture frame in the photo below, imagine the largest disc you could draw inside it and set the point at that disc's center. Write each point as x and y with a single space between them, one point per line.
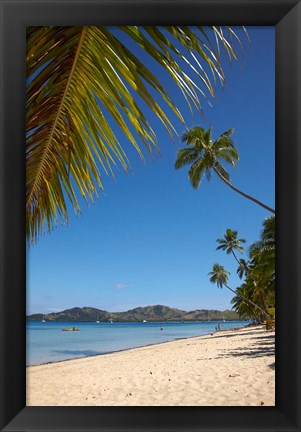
15 16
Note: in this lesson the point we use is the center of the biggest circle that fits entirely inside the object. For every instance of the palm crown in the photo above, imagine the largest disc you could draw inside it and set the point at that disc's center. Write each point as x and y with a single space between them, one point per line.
219 275
230 243
205 155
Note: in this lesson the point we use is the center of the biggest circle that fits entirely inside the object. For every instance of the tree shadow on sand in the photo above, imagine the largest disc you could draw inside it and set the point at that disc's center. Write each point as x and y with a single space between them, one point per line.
261 347
235 334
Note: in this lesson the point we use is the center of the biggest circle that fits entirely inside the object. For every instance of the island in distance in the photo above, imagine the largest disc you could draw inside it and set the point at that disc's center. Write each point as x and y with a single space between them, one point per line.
147 313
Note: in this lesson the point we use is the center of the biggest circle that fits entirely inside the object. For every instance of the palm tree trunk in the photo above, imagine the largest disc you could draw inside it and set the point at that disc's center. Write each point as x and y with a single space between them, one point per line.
237 260
242 193
248 301
245 267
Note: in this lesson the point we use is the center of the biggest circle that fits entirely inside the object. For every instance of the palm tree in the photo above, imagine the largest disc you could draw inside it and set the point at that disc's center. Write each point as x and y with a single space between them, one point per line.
205 156
244 309
259 285
231 243
219 275
243 268
82 82
262 252
267 243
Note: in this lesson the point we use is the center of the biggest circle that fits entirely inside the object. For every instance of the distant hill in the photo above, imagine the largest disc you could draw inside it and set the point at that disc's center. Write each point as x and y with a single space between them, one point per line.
148 313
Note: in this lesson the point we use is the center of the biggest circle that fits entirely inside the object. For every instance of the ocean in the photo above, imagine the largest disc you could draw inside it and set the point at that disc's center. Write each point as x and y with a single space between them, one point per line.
46 342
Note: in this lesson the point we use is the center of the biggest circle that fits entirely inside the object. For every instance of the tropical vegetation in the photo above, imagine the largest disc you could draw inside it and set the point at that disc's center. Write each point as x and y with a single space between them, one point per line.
206 156
82 82
255 297
230 243
219 276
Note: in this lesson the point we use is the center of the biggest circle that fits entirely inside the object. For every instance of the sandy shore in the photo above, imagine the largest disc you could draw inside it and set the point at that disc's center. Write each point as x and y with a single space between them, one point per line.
230 368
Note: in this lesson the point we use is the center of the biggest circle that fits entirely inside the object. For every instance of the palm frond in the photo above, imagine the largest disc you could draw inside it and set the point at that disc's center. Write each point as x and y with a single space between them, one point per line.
84 81
195 136
185 156
200 167
229 155
222 171
196 172
269 229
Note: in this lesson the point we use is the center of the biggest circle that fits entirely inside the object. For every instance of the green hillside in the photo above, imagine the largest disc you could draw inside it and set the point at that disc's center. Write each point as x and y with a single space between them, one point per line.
148 313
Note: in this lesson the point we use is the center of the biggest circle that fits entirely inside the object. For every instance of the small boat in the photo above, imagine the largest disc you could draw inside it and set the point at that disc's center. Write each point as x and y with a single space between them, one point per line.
144 321
43 320
97 322
70 329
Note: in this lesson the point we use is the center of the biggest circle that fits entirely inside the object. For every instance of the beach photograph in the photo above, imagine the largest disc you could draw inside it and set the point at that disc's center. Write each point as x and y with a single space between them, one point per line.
150 216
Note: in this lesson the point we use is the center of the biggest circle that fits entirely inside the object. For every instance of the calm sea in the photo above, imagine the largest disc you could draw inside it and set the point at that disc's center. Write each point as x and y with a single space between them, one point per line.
46 342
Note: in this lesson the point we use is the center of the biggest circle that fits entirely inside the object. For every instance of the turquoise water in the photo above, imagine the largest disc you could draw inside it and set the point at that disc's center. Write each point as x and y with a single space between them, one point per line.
47 343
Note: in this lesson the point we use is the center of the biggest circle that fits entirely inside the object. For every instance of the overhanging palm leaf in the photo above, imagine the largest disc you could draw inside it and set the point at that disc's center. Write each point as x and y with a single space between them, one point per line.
78 78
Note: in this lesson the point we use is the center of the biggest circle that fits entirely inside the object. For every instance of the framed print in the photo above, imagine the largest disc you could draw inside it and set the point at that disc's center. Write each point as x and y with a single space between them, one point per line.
41 386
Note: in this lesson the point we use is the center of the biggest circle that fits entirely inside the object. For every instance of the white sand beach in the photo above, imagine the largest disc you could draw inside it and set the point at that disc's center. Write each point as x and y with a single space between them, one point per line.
228 368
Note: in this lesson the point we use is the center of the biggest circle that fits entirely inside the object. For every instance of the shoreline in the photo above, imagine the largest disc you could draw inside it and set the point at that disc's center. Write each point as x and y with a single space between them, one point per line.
140 346
227 368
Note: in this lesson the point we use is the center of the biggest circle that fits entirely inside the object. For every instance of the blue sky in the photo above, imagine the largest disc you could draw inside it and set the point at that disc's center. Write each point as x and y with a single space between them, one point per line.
151 238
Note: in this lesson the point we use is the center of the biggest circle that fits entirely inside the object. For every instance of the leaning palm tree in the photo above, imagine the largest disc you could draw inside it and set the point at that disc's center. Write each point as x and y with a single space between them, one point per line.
244 309
243 268
206 156
219 276
82 82
230 243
